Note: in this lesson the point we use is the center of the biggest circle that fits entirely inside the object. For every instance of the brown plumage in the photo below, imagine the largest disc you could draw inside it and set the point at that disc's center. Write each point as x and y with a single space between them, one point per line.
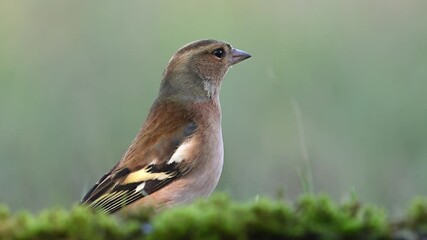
178 153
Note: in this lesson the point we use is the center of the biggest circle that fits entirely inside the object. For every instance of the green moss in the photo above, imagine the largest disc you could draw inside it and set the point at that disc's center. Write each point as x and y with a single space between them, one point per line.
78 223
310 217
320 217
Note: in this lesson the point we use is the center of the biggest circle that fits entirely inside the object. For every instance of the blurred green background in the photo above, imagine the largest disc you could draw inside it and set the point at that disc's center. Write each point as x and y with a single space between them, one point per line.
337 88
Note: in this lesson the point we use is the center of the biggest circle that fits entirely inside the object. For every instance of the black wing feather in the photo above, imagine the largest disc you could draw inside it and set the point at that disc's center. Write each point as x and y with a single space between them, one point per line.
125 194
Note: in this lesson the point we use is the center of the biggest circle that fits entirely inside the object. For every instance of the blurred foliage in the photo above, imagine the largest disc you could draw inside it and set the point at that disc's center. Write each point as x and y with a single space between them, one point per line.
217 218
310 217
332 100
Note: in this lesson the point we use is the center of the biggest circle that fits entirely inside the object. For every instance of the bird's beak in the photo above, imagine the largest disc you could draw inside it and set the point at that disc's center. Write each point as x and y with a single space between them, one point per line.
238 56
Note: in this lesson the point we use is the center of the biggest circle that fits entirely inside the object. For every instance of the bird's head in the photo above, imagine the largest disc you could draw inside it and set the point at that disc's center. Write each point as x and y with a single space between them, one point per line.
197 69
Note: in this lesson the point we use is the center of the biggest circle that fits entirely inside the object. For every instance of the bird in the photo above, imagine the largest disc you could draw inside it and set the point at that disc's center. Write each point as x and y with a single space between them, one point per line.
178 154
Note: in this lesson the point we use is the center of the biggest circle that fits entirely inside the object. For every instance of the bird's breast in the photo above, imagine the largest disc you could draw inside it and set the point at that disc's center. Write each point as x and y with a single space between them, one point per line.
205 174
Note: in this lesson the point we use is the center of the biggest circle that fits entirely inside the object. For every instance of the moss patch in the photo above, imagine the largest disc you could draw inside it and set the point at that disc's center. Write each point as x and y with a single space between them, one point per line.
310 217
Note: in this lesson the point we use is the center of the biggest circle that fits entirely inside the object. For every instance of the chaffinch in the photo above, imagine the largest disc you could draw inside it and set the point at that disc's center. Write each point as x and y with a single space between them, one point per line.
178 153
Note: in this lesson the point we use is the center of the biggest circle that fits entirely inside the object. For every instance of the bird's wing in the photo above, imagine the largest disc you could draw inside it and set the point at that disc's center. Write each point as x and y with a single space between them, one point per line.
160 154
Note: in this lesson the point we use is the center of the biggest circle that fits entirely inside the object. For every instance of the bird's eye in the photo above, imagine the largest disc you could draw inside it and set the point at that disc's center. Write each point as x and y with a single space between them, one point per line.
219 52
